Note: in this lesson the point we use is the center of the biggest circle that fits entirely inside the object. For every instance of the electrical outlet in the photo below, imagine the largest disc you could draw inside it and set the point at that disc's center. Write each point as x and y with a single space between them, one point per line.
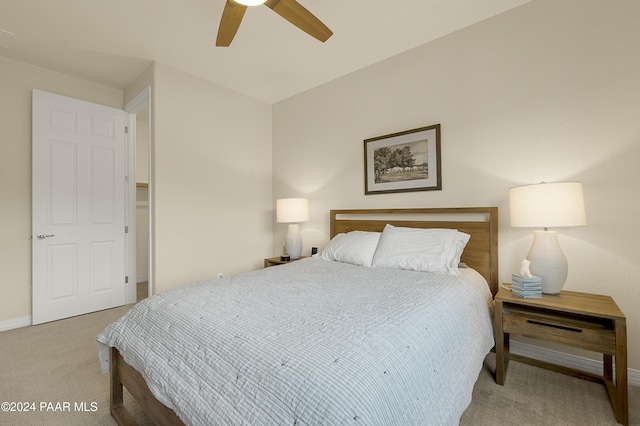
220 274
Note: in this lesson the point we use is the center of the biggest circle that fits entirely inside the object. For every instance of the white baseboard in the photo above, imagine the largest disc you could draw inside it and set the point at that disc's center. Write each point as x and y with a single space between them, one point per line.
566 360
15 323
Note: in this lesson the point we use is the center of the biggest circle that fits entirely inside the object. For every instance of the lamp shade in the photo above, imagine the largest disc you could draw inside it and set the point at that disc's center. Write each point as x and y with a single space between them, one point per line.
547 205
292 210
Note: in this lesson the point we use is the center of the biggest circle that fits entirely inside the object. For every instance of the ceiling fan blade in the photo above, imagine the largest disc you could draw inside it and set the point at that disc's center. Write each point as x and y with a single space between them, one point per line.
295 13
229 23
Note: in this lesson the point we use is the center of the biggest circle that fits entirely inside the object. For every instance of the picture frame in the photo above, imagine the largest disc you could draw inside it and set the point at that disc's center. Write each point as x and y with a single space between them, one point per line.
403 162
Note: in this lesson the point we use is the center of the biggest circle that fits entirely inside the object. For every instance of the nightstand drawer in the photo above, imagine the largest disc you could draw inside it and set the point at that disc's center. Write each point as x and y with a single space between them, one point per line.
561 328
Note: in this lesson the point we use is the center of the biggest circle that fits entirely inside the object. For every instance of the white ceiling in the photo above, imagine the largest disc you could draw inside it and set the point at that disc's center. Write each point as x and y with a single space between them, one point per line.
112 42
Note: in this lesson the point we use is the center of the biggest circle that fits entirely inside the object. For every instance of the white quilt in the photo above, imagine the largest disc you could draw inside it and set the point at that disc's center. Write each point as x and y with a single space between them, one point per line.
313 342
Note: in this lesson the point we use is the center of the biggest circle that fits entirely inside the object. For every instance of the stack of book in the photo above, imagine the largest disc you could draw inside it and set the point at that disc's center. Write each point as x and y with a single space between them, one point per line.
528 287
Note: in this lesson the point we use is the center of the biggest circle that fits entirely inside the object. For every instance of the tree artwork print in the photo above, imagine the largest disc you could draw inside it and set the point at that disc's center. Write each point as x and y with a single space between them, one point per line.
402 162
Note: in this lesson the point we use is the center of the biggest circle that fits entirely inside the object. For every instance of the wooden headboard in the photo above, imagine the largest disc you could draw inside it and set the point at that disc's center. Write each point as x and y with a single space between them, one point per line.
481 252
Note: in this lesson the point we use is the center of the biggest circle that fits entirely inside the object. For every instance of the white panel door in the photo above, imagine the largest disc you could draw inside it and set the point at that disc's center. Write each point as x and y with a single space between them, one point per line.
78 207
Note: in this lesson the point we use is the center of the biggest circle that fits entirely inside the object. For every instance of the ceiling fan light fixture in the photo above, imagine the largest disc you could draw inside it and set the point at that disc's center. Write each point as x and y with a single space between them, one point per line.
250 2
290 10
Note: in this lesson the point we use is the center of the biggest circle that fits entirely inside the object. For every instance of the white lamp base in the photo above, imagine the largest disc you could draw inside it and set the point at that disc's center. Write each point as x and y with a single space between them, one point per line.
548 261
293 241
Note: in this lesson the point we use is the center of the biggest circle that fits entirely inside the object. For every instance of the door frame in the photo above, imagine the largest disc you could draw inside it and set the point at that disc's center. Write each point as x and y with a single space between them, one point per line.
135 106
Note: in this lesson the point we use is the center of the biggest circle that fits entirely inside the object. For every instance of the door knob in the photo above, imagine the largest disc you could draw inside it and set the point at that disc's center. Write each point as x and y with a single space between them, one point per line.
42 236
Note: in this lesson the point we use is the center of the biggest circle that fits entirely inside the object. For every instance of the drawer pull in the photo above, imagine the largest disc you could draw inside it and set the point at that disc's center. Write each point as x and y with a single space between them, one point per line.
562 327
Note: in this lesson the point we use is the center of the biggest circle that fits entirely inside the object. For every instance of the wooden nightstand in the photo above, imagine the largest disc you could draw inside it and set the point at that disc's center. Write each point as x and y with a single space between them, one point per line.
587 321
273 261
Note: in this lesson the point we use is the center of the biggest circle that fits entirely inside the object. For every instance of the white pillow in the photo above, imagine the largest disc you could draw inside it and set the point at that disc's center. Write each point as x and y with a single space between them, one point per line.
426 250
355 247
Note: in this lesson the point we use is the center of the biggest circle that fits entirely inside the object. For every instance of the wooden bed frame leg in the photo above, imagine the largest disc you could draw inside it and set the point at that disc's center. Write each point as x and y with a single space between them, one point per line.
122 375
116 397
116 394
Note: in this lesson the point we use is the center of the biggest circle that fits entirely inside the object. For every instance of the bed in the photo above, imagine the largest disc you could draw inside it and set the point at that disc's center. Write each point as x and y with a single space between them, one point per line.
317 341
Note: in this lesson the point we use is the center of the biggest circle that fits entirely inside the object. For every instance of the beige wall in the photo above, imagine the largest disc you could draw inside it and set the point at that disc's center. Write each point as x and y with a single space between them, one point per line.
212 167
546 92
212 180
17 80
142 150
142 198
142 234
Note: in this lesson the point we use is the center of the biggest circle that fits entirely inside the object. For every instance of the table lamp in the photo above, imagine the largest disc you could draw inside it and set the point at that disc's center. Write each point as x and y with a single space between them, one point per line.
292 211
547 205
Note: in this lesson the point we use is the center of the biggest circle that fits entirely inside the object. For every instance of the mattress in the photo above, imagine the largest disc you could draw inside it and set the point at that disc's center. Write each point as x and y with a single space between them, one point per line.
313 342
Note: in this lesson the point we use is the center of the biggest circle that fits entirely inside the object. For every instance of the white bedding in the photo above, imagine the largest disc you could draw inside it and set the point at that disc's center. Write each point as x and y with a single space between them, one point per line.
313 342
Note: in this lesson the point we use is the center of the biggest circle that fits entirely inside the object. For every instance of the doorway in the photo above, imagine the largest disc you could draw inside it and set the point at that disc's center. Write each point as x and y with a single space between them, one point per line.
140 244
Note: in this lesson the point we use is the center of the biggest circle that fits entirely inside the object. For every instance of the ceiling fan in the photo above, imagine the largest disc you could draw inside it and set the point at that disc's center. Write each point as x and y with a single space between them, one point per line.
290 10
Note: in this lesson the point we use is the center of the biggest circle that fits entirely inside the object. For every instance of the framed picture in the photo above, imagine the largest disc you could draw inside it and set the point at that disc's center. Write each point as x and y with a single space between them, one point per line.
403 162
